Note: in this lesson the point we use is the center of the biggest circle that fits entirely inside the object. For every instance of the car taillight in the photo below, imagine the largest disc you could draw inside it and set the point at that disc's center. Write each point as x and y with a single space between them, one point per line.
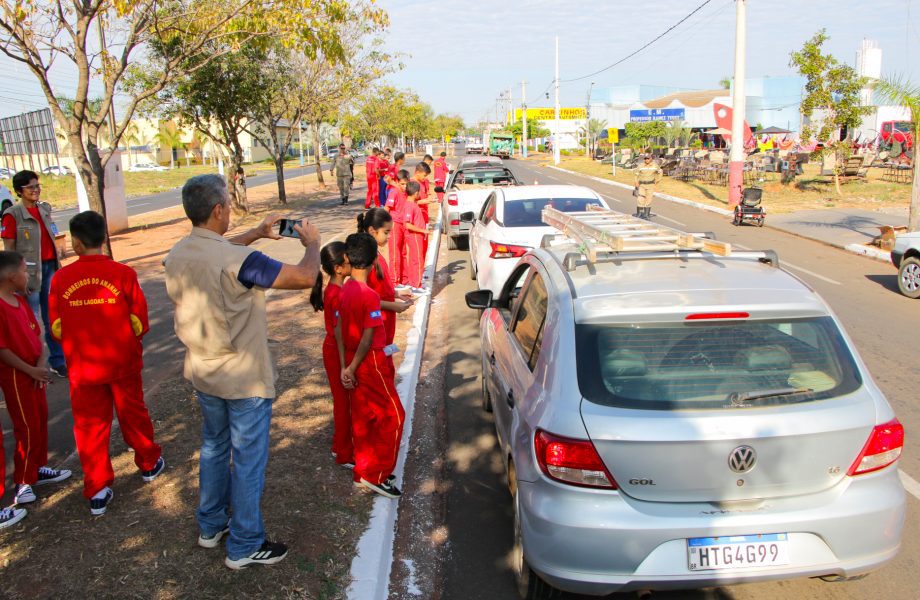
575 462
722 315
455 222
882 449
507 250
452 200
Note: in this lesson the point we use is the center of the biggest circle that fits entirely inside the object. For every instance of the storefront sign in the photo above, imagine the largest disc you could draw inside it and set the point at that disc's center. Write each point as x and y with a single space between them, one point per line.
549 114
656 114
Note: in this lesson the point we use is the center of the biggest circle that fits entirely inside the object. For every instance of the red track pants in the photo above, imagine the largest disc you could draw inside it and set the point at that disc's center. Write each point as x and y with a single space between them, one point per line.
415 258
28 408
341 409
396 247
377 417
92 428
373 193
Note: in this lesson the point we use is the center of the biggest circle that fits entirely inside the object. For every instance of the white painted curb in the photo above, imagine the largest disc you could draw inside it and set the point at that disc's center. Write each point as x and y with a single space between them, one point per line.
370 568
866 251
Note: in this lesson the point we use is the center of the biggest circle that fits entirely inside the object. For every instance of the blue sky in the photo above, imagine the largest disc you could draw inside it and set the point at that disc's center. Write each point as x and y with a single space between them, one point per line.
461 55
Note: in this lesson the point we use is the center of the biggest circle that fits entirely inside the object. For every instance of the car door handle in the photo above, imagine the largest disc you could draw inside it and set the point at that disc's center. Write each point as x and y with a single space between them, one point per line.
509 398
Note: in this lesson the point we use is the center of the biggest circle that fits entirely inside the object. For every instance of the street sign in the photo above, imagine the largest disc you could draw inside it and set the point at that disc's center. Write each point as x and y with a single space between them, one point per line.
613 135
549 114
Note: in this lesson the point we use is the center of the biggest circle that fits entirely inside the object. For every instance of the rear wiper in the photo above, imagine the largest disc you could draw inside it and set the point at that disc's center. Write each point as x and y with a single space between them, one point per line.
739 398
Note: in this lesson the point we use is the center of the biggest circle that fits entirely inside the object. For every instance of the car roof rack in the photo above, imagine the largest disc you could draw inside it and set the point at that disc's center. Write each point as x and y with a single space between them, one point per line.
600 232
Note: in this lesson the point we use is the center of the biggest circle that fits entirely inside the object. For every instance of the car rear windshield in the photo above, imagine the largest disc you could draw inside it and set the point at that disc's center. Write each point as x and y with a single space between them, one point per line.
714 365
485 177
528 213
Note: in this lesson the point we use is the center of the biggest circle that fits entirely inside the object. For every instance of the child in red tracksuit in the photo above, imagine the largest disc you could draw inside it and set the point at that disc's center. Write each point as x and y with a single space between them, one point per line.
396 245
441 170
416 224
23 376
377 414
335 264
379 223
98 311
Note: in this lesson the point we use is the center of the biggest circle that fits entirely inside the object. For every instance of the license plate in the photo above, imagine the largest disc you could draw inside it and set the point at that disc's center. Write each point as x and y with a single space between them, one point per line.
737 552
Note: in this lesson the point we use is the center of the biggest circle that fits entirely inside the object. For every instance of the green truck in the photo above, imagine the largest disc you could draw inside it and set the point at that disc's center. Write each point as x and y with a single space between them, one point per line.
501 144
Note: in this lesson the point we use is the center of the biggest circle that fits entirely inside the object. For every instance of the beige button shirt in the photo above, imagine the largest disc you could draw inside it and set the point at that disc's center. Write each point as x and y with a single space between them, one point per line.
221 322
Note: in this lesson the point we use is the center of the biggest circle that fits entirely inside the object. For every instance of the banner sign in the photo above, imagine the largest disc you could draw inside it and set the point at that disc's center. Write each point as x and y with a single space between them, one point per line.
656 114
549 114
28 133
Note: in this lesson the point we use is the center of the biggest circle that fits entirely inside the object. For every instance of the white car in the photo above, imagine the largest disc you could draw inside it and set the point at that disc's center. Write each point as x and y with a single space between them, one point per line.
145 166
5 173
906 257
465 191
511 223
57 170
475 148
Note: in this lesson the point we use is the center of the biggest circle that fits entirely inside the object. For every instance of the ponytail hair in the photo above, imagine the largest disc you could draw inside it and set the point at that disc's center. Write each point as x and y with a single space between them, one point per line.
331 256
374 218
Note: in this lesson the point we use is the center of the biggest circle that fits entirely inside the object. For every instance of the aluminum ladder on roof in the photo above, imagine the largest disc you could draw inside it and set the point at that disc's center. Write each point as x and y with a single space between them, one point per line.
601 230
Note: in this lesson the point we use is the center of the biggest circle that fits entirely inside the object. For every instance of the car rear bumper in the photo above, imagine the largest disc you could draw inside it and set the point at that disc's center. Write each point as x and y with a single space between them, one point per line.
594 542
456 230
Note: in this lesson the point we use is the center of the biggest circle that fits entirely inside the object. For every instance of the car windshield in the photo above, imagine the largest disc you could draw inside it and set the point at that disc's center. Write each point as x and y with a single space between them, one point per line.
528 213
714 365
485 177
904 126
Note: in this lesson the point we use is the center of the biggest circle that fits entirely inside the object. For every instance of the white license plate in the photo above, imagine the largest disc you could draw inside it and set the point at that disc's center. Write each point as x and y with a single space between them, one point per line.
737 552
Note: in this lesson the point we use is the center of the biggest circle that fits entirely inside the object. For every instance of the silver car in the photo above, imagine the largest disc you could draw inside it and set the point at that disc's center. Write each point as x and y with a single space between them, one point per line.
679 420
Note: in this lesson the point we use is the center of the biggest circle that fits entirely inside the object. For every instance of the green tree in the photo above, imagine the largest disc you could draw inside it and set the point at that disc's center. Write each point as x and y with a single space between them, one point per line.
39 34
170 136
832 91
535 129
902 92
725 83
643 133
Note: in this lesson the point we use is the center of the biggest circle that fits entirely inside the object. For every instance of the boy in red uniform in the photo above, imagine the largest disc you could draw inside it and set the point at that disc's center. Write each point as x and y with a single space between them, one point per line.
383 166
440 175
377 413
396 245
370 170
416 225
23 376
99 313
392 174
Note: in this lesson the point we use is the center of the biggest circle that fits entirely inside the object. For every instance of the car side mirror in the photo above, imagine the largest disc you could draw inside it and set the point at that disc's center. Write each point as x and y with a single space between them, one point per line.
467 217
481 299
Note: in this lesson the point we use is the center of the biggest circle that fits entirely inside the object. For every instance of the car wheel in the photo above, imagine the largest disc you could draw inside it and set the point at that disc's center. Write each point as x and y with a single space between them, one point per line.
909 277
451 242
529 584
486 396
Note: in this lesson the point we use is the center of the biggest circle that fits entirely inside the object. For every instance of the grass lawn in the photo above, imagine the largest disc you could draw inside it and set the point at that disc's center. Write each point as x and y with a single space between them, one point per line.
61 192
810 191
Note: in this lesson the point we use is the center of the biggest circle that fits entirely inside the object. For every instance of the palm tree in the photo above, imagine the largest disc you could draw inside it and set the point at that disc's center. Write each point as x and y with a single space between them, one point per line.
130 138
170 136
725 83
904 93
591 130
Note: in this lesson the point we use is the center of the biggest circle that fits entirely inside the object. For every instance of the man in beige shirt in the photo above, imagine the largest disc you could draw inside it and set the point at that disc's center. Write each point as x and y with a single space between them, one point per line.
218 288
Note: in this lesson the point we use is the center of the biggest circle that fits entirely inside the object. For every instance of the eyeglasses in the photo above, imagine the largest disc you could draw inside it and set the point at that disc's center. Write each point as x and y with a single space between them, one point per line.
33 187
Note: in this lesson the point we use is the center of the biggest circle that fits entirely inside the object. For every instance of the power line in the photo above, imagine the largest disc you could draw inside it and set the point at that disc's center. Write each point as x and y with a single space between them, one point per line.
628 56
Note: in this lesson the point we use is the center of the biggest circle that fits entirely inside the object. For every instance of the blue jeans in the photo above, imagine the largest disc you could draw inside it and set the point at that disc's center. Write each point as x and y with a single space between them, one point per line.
236 429
38 300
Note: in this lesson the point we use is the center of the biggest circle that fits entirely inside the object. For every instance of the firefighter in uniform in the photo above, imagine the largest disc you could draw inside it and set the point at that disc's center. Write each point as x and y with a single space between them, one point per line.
647 177
343 167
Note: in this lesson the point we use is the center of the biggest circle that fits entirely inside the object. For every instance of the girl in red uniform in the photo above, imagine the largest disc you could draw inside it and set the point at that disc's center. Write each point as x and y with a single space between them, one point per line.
416 224
335 264
396 246
378 223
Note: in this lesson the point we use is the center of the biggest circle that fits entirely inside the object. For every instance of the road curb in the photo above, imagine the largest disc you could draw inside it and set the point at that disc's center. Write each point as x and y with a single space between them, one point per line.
859 249
370 568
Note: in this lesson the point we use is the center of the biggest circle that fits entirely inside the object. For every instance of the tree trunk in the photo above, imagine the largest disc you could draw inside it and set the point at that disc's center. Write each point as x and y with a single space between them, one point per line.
235 185
837 173
92 174
279 170
316 156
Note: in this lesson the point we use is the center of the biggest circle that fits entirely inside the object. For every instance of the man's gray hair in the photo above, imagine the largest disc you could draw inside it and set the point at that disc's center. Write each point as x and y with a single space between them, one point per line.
201 194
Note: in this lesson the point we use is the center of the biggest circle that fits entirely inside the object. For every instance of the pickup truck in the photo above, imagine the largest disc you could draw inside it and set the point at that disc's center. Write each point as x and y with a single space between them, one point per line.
466 190
475 148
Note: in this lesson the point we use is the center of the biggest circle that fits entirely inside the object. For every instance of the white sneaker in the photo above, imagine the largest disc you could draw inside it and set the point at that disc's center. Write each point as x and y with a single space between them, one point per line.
48 475
214 540
24 494
10 516
419 291
402 288
99 503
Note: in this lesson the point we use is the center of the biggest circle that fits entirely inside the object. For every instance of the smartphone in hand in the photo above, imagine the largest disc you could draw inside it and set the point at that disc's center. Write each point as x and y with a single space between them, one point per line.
286 228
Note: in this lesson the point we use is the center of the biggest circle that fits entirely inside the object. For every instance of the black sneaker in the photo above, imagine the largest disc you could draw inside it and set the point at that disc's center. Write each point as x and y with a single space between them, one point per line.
387 488
347 465
98 506
10 516
269 554
152 474
47 475
212 541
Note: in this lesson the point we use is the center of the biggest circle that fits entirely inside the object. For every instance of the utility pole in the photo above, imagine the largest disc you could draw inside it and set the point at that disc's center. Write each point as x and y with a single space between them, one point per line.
510 108
104 75
556 132
588 121
524 117
736 157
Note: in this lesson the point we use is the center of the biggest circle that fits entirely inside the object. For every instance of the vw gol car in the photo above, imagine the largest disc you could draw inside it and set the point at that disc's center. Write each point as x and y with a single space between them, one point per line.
675 420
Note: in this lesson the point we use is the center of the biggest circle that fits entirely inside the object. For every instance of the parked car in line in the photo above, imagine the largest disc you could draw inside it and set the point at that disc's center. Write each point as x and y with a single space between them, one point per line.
510 223
475 147
5 173
57 170
465 191
481 161
906 258
680 420
146 166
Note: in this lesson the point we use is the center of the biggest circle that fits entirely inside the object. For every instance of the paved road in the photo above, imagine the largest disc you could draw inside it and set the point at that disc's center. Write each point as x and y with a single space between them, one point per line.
173 197
862 292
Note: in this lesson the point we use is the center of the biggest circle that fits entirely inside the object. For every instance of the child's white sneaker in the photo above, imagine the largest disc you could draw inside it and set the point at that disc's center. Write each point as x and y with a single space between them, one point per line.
24 494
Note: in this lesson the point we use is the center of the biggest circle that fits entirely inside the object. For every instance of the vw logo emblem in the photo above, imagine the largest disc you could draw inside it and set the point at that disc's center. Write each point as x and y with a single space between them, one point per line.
742 459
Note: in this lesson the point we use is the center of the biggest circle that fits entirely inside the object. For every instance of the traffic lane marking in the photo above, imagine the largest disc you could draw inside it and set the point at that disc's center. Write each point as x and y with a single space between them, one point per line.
807 272
910 484
671 220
